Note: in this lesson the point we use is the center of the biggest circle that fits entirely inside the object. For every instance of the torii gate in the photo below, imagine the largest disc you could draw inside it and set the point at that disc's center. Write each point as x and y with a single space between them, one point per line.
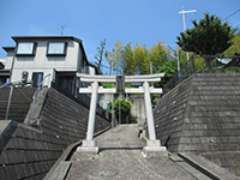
88 144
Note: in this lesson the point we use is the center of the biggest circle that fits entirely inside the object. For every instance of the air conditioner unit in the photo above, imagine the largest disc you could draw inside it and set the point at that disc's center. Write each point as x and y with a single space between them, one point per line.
25 77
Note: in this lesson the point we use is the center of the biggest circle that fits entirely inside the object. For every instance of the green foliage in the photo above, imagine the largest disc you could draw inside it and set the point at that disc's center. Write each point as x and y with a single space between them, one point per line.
232 69
107 85
129 63
140 56
199 64
157 55
195 64
169 68
140 60
208 37
234 48
122 108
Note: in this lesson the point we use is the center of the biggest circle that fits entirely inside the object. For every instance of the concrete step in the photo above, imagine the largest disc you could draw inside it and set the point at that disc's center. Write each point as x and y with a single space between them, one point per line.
122 136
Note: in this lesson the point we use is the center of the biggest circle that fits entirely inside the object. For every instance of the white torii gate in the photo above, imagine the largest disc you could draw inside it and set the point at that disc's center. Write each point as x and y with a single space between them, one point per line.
88 144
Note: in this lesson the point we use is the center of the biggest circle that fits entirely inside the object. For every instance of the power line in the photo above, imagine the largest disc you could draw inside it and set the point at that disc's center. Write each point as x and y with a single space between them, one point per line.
232 14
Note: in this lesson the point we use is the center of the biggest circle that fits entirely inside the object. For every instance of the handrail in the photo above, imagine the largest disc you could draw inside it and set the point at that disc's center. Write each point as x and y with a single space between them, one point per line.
4 85
11 85
44 78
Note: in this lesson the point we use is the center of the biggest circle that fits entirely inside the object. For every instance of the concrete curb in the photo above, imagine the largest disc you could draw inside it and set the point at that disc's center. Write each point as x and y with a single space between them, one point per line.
206 167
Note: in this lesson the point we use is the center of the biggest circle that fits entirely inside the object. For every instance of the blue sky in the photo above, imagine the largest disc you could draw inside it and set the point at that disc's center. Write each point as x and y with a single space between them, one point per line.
135 21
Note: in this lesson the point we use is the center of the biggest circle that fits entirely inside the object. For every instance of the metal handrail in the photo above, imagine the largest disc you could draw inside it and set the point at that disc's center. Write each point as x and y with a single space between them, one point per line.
44 78
12 85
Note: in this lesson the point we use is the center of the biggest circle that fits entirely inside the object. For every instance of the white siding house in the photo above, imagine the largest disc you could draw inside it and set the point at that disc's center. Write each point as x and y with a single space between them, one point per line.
45 58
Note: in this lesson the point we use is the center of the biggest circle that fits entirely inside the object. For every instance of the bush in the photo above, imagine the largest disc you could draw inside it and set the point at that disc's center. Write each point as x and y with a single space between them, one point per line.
122 108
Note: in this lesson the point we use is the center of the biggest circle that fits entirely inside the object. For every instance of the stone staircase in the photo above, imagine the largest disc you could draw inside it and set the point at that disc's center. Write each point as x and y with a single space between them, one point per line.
121 157
121 137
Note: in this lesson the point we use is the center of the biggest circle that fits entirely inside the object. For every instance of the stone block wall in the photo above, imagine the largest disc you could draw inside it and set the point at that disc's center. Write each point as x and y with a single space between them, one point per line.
202 115
21 100
169 114
29 152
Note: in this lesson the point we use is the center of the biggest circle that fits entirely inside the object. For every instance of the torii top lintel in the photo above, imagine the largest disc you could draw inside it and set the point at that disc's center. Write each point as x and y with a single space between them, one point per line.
128 79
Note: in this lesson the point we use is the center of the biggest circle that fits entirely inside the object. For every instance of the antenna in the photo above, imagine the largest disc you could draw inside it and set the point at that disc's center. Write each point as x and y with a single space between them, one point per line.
184 13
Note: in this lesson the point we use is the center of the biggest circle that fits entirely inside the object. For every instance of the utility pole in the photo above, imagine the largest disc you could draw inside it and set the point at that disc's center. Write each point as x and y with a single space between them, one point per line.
184 13
151 67
178 64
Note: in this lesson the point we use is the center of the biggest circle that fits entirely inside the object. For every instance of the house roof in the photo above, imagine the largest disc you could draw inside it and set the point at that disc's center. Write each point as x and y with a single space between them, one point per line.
8 48
1 65
20 38
26 38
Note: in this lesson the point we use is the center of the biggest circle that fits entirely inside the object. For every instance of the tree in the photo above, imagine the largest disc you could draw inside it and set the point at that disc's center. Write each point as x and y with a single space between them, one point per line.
234 48
195 64
114 57
122 108
157 55
169 68
129 62
141 60
140 56
208 37
100 54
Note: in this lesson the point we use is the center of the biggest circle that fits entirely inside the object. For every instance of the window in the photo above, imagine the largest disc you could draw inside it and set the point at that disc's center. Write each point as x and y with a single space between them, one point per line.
26 48
56 49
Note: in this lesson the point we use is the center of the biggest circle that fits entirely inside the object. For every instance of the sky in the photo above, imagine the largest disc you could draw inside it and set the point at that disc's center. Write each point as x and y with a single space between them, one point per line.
135 21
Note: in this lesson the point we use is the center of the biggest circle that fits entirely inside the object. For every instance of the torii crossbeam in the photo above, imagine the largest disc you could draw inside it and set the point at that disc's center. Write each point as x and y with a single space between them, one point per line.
89 144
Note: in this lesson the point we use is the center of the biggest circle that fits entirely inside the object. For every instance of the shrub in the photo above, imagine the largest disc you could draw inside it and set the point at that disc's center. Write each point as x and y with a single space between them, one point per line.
122 109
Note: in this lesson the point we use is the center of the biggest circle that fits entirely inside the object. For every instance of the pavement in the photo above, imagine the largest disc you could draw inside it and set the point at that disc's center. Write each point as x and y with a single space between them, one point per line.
121 158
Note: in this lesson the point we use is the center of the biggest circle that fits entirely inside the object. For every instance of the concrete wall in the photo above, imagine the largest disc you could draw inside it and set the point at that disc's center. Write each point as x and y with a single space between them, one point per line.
29 151
202 115
138 109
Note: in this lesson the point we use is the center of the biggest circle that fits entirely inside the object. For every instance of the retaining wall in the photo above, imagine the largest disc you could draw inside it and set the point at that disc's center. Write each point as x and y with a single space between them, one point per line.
29 149
21 100
202 115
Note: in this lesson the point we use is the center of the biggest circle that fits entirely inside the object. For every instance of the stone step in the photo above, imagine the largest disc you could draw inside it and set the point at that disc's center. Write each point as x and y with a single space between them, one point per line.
122 136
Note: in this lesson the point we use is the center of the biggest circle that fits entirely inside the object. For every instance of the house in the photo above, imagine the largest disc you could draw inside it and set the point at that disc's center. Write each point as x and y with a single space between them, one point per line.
45 59
4 74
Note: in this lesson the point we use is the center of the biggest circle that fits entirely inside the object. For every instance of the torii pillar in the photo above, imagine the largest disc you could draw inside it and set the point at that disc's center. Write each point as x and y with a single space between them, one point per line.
152 143
89 144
